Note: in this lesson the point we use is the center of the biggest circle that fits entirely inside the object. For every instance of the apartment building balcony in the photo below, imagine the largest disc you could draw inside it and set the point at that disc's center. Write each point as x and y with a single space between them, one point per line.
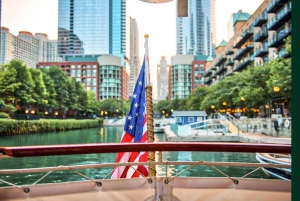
220 60
208 80
229 73
229 62
207 73
283 34
278 40
221 70
274 6
243 51
244 37
283 53
274 24
214 75
260 20
229 52
260 36
261 52
284 15
243 64
212 68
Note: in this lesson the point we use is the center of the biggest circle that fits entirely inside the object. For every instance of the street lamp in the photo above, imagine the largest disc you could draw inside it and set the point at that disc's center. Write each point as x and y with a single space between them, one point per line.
276 89
224 104
243 100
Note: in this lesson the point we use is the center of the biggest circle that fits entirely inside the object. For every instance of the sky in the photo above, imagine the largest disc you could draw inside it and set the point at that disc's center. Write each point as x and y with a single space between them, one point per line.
156 20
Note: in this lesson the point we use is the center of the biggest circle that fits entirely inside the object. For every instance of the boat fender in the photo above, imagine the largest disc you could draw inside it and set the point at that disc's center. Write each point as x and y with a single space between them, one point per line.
287 123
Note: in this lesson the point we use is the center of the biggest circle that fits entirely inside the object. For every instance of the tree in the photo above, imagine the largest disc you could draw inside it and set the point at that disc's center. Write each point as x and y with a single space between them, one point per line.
110 106
51 92
195 99
24 93
163 106
8 86
60 80
39 89
82 96
73 96
92 106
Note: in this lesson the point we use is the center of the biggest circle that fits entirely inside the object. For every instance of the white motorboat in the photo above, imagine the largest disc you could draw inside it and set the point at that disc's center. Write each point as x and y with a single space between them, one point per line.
283 159
276 158
158 128
160 125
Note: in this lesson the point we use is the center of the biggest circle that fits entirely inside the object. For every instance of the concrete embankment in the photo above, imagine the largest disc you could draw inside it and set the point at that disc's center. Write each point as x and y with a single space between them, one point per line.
210 136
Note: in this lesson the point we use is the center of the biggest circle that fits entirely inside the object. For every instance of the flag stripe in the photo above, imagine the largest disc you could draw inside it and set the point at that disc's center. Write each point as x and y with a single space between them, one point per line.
135 130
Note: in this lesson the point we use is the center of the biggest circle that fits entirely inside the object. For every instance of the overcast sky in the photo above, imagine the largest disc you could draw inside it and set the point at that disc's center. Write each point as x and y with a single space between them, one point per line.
157 20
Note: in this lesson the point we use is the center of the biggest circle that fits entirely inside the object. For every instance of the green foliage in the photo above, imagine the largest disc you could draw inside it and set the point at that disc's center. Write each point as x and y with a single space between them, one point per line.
39 89
111 106
288 44
197 96
60 81
163 105
8 82
23 127
4 115
23 76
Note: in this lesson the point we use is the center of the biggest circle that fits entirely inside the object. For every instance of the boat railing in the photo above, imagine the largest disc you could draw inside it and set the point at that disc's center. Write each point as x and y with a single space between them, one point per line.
280 156
160 181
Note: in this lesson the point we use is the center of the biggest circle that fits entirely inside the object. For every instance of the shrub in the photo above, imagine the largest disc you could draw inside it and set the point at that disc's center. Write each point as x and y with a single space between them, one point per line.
4 115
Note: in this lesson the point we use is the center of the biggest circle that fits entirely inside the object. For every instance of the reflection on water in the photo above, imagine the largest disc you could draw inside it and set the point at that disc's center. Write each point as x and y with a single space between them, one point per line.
103 135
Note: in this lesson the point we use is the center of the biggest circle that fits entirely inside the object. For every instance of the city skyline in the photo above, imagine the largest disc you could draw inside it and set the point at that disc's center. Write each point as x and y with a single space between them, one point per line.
157 20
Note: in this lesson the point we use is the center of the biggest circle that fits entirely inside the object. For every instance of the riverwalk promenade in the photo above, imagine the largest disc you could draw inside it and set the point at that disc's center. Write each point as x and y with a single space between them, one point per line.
210 136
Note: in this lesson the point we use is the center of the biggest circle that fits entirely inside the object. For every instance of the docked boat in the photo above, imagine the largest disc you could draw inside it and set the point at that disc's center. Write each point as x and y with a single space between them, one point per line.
160 125
283 159
158 128
168 187
276 158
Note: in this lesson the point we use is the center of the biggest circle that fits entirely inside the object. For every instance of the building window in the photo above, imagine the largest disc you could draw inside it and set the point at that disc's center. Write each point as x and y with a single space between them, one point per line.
178 119
191 119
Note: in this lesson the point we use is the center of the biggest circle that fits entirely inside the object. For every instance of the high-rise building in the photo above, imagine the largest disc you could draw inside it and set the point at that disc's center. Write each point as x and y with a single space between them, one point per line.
134 60
186 73
27 47
92 28
162 79
195 32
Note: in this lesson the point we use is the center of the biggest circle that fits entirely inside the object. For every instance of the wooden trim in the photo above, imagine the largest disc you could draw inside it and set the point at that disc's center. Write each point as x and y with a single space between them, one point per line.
50 150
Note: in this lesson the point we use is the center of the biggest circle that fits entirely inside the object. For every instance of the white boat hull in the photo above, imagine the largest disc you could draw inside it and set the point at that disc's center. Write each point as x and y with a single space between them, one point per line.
217 189
280 173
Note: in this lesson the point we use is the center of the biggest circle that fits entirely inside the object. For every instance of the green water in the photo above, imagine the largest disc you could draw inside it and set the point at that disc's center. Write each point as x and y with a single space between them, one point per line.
102 135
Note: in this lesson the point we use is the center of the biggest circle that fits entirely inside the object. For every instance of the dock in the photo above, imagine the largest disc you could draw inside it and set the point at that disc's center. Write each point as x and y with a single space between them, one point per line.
210 136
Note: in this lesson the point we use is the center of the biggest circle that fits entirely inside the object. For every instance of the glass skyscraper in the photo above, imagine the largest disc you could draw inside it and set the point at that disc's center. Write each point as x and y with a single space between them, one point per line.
195 32
92 27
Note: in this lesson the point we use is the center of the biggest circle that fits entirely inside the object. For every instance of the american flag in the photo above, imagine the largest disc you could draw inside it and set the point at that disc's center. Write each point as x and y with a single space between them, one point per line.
135 130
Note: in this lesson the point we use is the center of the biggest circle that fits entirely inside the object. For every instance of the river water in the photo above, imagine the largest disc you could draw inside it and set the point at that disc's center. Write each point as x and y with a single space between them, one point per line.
102 135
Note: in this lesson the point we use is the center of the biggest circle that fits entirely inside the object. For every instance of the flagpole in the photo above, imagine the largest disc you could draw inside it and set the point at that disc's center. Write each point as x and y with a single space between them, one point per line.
149 105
